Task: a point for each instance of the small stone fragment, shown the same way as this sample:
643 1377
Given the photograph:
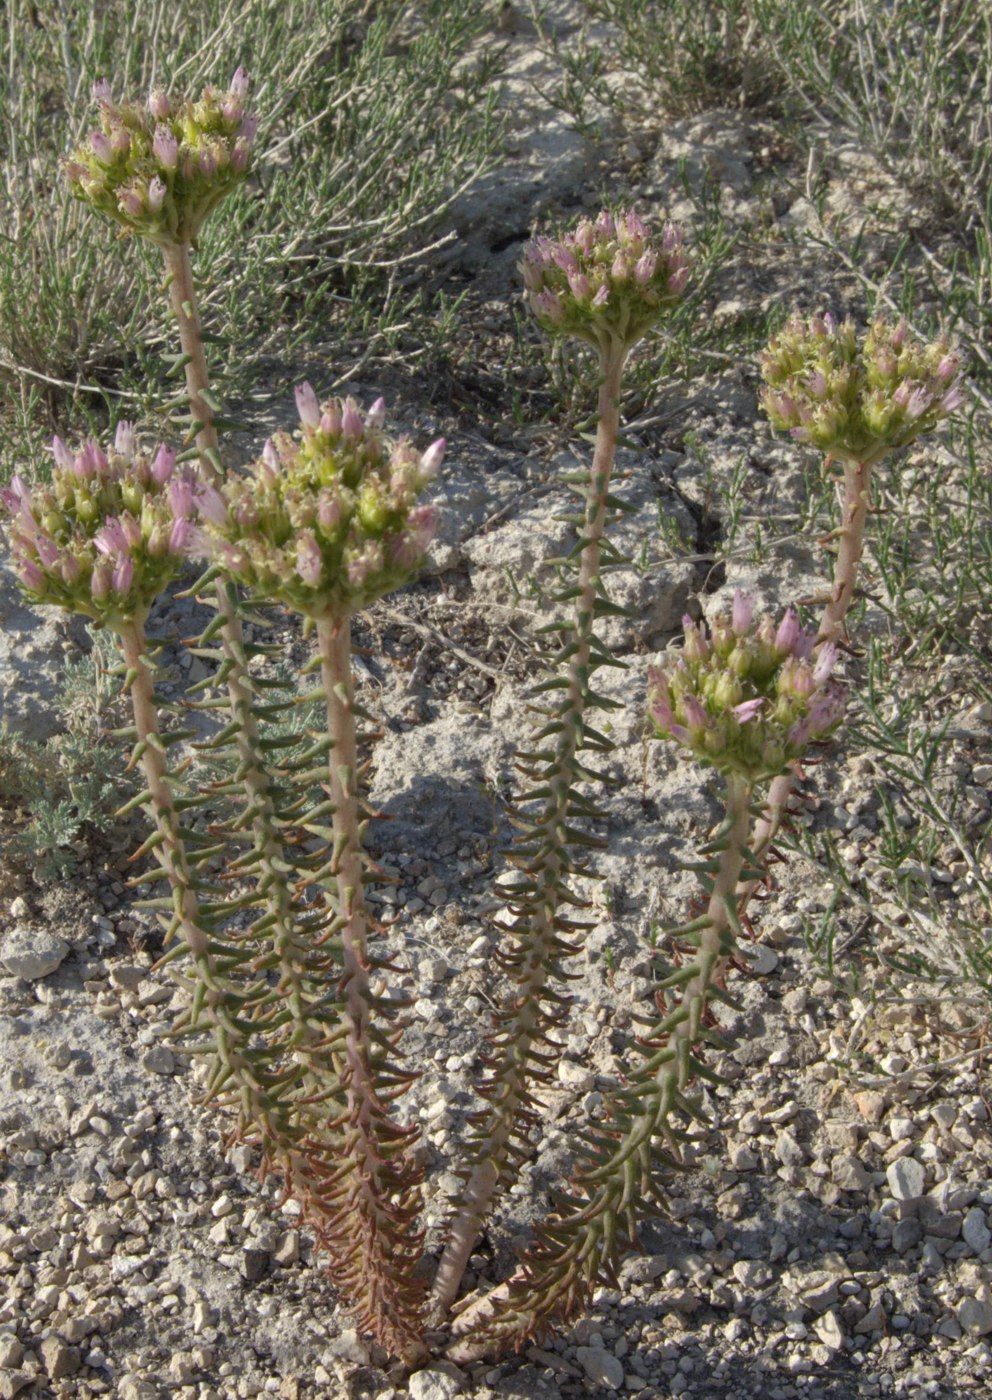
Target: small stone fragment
58 1359
159 1060
441 1381
829 1330
32 953
601 1366
849 1173
977 1234
906 1177
975 1316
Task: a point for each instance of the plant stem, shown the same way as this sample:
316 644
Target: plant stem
579 1247
539 947
851 535
182 294
374 1247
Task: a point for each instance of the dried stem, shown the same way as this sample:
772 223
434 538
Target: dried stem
536 959
580 1246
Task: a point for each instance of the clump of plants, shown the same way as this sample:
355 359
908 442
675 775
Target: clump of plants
264 876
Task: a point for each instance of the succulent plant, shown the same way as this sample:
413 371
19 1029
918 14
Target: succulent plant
160 168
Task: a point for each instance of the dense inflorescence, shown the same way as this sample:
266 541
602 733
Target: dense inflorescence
858 401
109 531
160 169
330 520
608 280
749 697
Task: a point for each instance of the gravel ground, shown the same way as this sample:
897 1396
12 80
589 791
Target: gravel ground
830 1236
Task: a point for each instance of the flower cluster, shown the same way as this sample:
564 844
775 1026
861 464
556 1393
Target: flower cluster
750 696
327 521
160 169
858 402
608 281
104 537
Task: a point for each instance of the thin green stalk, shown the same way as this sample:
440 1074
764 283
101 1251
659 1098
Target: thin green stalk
539 947
580 1246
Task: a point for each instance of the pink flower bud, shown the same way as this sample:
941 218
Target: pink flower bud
566 260
548 304
645 267
947 368
101 148
329 513
247 130
163 465
111 539
124 440
952 400
208 163
62 455
580 286
101 90
211 505
376 415
91 459
46 549
695 714
351 422
330 422
825 662
306 404
309 562
131 203
165 148
602 296
120 141
788 632
430 462
30 574
743 611
69 568
159 104
747 710
156 195
123 576
180 536
270 454
239 84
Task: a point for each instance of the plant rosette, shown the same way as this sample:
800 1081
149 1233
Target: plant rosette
607 281
160 169
107 533
857 402
329 520
746 696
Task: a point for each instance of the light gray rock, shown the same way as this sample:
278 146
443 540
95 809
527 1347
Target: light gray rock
849 1174
906 1178
975 1231
975 1316
32 953
440 1382
601 1366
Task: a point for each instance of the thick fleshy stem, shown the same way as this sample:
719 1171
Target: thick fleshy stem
579 1247
539 947
855 505
373 1243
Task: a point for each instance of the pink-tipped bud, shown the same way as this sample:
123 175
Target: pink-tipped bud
748 710
788 632
131 203
644 269
123 576
580 286
124 440
163 464
120 141
270 453
159 104
211 505
156 194
165 148
602 296
329 513
566 260
309 562
376 415
307 405
696 717
430 462
46 548
352 426
62 455
30 574
180 536
208 163
101 90
101 147
239 84
825 662
742 613
247 131
330 421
